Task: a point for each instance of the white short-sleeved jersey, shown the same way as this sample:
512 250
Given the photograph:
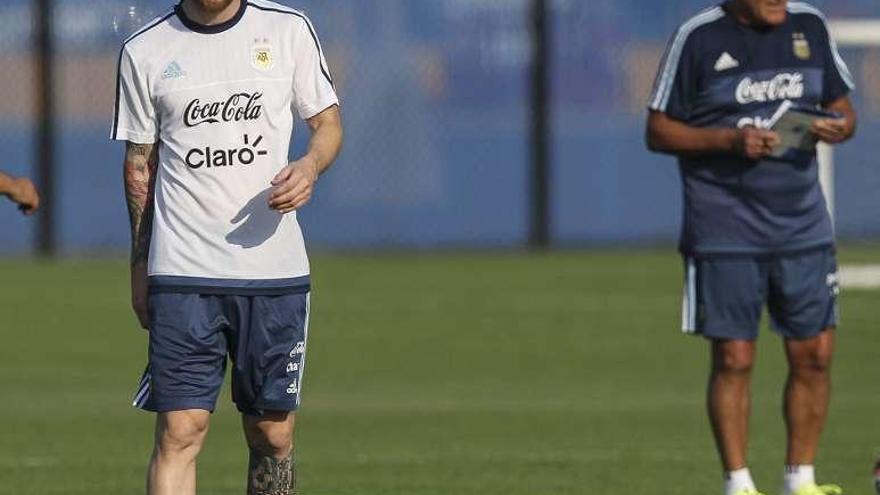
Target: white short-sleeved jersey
219 102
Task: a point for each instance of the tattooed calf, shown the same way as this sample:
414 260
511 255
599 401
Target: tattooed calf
270 476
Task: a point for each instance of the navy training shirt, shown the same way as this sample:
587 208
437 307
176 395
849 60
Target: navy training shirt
720 73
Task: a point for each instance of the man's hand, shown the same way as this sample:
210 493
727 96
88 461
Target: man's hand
831 131
293 186
754 143
23 193
139 294
835 131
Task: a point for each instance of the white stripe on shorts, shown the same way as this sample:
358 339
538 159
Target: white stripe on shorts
143 390
302 357
689 299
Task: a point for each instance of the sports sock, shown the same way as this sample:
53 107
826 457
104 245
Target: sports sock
737 481
797 476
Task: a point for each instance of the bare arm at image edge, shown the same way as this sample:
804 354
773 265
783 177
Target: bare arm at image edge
20 191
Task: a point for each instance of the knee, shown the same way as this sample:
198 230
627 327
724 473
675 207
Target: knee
734 361
272 438
814 360
181 432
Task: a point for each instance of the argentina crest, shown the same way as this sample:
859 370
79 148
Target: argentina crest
801 46
261 56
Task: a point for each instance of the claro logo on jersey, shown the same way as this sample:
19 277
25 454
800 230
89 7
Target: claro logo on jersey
236 108
226 157
785 86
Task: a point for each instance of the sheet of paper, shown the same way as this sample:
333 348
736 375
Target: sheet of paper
793 126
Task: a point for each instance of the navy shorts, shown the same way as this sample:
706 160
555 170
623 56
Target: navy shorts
191 336
724 296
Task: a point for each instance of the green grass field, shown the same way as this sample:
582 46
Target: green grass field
483 374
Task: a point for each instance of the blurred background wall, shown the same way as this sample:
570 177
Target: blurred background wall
435 100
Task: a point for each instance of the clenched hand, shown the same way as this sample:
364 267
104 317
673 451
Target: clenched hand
754 143
293 186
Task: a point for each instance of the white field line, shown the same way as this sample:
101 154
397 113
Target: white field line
860 276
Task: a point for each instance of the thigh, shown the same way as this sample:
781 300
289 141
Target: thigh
269 353
724 297
187 355
803 293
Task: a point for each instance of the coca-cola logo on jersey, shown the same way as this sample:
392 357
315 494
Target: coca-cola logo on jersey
236 108
785 86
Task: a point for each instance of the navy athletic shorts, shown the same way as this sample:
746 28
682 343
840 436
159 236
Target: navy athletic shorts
724 296
191 336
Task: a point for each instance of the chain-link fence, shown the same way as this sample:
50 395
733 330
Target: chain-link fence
436 104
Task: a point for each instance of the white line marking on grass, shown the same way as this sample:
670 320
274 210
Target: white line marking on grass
860 276
27 462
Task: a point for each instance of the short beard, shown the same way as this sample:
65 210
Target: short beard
213 6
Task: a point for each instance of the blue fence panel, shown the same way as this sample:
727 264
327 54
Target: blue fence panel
16 231
16 120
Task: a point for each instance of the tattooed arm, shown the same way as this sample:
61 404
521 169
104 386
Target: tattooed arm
141 162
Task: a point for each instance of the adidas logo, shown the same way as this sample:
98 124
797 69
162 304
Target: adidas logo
725 62
173 71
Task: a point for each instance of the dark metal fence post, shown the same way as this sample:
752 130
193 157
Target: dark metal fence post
45 140
539 230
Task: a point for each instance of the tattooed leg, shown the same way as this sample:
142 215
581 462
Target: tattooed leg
271 476
270 440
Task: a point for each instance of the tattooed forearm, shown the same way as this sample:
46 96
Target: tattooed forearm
270 476
140 179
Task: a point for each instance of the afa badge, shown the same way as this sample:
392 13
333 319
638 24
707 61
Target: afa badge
261 57
801 46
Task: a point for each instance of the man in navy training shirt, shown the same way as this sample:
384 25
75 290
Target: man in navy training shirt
756 230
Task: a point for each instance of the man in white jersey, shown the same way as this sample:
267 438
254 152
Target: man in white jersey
205 101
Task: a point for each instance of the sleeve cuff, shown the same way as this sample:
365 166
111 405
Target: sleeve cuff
309 111
132 136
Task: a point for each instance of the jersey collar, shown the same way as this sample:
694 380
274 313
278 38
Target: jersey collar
214 28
